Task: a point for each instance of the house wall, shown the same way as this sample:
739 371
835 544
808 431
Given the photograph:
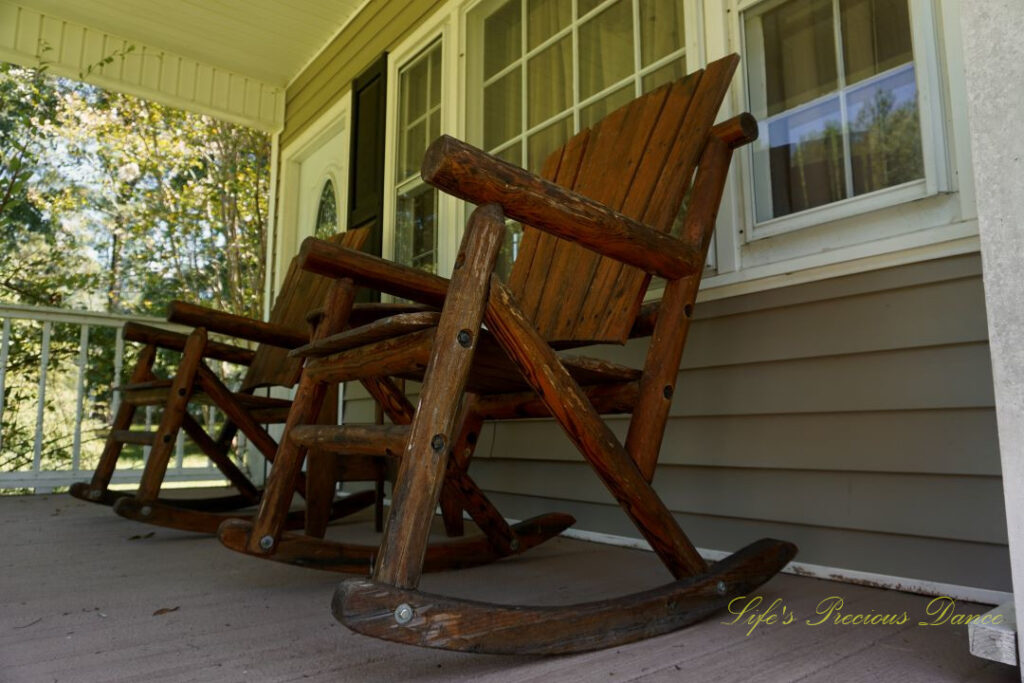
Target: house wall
840 401
376 28
852 416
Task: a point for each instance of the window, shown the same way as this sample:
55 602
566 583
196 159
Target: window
540 70
419 124
835 87
326 212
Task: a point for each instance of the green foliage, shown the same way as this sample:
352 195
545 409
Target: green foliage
116 204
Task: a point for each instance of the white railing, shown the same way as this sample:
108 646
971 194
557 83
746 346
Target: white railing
49 468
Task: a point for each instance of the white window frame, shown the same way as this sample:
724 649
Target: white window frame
933 139
449 225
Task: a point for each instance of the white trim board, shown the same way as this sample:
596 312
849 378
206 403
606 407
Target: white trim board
817 571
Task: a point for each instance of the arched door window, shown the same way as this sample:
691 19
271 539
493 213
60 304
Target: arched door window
327 212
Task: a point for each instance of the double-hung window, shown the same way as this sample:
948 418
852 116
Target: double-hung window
837 86
417 205
537 71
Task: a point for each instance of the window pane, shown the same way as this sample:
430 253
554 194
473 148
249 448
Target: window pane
502 110
550 81
672 71
502 38
509 249
661 29
547 140
885 133
799 53
419 111
876 36
326 212
606 48
806 159
416 228
593 113
546 18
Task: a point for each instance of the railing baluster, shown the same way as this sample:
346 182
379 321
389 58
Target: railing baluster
179 451
115 401
44 362
83 358
149 428
5 343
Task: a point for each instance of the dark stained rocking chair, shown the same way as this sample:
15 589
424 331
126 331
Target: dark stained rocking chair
268 365
599 224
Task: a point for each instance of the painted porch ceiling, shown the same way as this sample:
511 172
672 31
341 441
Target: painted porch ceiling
268 40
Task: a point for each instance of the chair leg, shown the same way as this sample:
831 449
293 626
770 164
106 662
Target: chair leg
422 469
309 399
96 489
170 422
570 406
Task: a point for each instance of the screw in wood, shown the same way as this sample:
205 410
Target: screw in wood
403 614
94 494
465 338
438 442
667 391
721 588
146 511
167 438
267 542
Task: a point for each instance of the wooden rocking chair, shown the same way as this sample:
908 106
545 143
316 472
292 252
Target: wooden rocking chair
600 221
268 365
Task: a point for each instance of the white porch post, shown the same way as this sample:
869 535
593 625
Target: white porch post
994 63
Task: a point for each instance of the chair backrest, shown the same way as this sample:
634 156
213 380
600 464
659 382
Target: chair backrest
301 293
639 160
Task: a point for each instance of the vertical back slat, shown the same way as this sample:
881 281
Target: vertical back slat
638 160
301 292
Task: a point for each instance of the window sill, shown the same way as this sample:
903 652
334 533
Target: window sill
880 199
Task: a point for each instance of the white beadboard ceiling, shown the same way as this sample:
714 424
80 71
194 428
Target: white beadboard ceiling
267 40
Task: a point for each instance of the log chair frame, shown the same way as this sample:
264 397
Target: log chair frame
388 604
242 410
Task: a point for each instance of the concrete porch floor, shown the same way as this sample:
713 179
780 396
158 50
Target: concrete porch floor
88 596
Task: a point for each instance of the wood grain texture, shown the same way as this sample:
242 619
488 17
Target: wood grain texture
170 420
471 174
569 405
416 491
369 607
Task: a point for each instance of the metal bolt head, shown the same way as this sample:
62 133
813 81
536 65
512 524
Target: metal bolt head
438 442
465 338
721 588
94 494
146 511
267 542
667 391
514 545
167 438
403 614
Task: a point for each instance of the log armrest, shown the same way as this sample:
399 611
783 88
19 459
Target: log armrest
235 325
331 260
369 312
471 174
165 339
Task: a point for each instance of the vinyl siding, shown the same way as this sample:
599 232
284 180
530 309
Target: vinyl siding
852 416
378 27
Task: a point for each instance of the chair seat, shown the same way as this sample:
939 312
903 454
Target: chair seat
402 343
264 409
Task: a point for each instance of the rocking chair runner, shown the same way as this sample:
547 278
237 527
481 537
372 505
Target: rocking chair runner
268 365
598 233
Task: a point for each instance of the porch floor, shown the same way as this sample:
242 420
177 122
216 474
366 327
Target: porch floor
85 594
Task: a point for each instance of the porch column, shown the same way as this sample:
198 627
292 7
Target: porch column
994 65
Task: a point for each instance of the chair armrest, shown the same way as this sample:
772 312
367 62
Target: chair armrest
165 339
335 261
471 174
235 325
369 312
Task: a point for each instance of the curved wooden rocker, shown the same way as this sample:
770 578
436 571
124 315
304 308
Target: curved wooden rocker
428 620
599 221
194 382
